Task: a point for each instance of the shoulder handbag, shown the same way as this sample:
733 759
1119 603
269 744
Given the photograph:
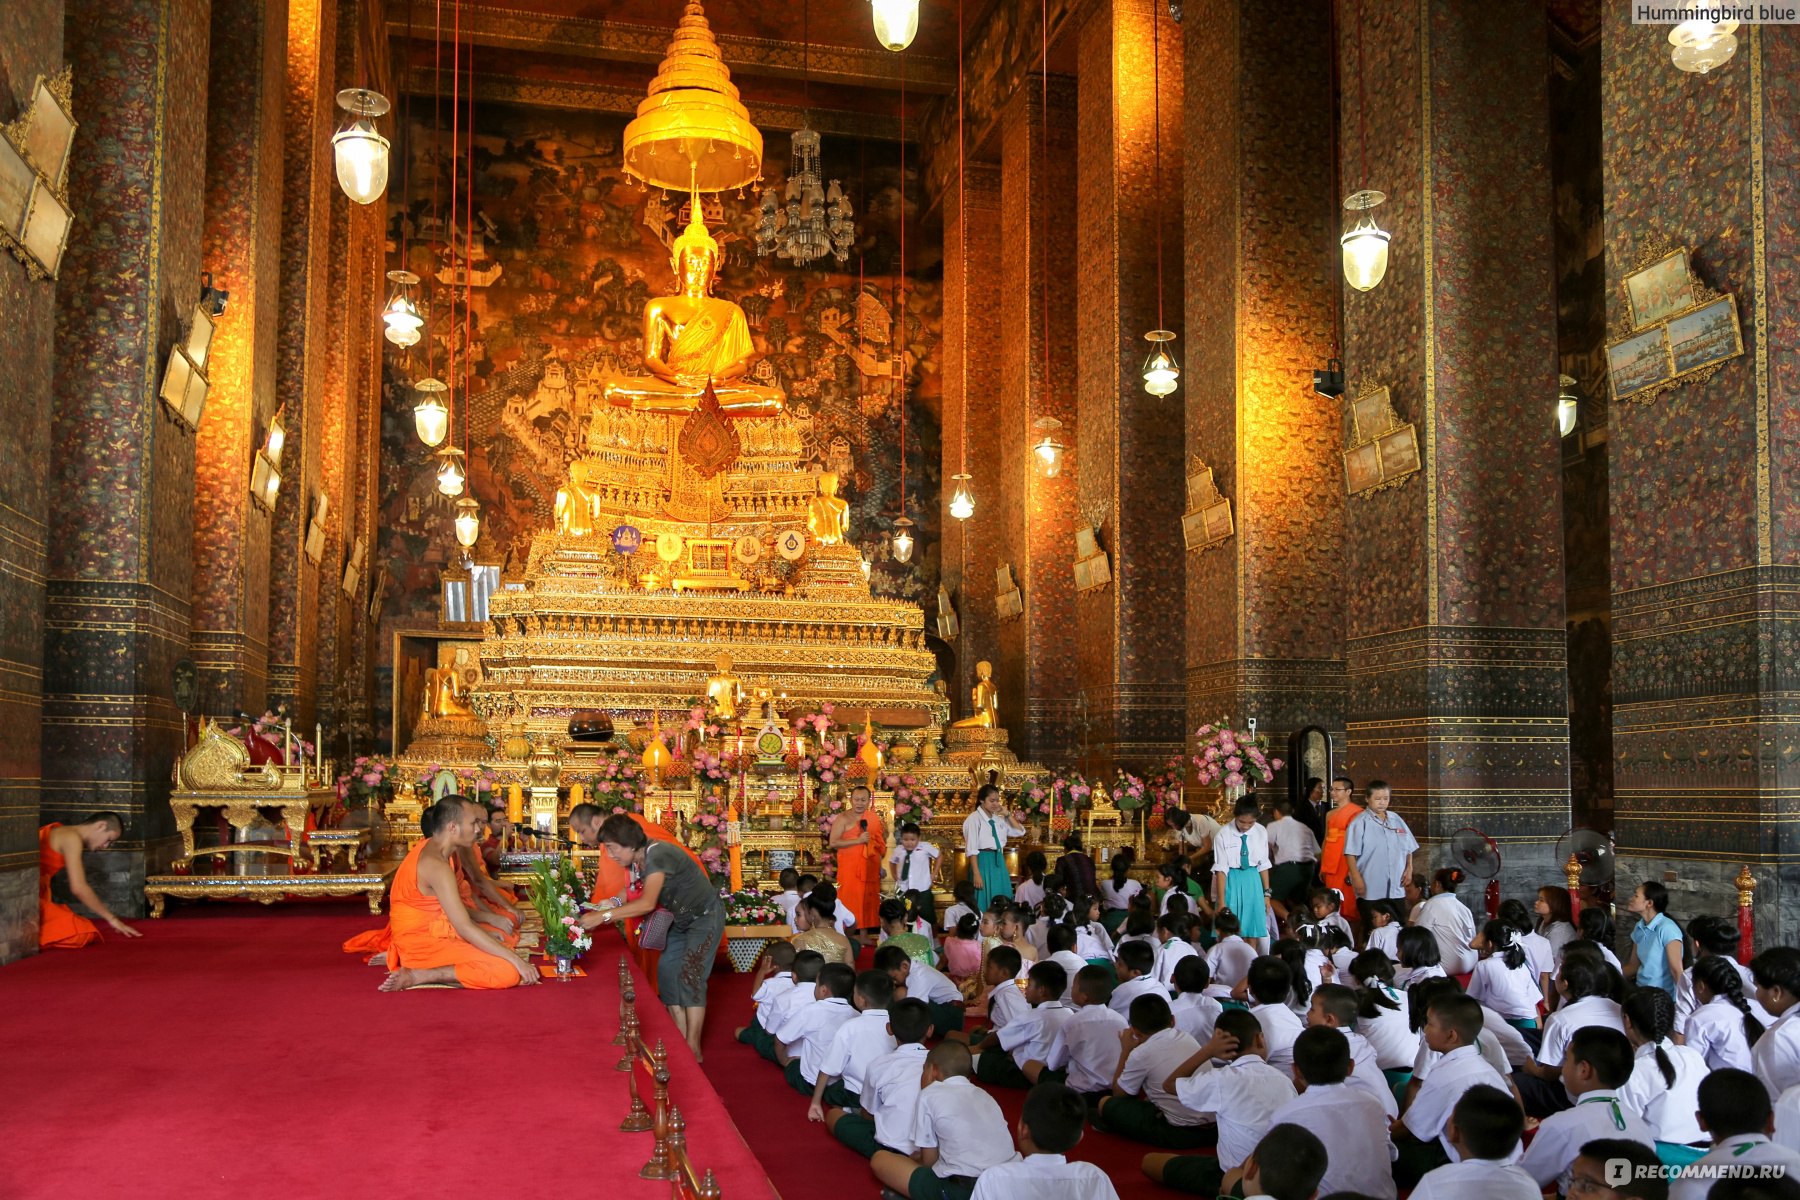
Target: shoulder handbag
653 930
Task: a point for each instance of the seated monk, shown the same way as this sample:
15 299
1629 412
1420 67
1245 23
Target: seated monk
491 898
373 944
60 847
435 940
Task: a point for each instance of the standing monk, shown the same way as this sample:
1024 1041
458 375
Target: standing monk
435 940
1334 868
861 845
61 847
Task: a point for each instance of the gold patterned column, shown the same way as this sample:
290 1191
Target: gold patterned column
242 249
1130 630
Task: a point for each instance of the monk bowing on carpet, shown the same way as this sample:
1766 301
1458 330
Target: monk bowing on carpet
857 836
61 847
435 940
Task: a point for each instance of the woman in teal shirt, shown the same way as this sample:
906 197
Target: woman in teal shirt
1656 941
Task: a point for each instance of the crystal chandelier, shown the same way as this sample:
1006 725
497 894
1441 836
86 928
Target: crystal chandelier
816 220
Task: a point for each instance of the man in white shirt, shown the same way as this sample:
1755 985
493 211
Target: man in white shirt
1734 1110
806 1035
914 863
959 1129
857 1043
1050 1125
1452 1025
1193 832
1359 1151
1026 1036
1140 1107
890 1088
1294 853
1484 1129
1242 1093
1596 1065
1136 967
1086 1048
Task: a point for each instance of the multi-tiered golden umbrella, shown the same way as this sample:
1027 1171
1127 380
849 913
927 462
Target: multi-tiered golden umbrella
692 133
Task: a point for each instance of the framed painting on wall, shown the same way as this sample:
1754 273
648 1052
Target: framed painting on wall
16 181
1660 290
46 229
1362 467
1704 335
1638 362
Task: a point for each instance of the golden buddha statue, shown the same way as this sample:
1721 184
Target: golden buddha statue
576 503
986 698
444 689
828 519
694 337
723 692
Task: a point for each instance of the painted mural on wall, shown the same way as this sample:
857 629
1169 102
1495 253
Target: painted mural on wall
565 250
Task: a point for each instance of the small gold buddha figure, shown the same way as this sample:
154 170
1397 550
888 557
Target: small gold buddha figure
577 505
828 519
694 337
986 698
723 692
444 690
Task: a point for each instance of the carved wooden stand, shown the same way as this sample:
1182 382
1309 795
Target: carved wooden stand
668 1149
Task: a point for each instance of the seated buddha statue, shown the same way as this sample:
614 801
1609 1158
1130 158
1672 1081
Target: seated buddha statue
828 518
694 337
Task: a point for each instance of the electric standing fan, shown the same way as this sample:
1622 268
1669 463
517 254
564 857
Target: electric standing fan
1478 856
1593 851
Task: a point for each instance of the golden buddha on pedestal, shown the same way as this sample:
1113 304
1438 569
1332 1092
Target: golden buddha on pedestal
986 698
828 518
694 337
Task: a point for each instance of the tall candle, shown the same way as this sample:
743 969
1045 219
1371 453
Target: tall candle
515 804
319 751
577 794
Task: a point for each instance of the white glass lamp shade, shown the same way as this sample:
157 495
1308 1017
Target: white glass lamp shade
896 23
1049 451
276 440
401 316
468 521
360 150
430 418
1160 372
450 473
1700 46
1365 246
962 498
1568 405
903 540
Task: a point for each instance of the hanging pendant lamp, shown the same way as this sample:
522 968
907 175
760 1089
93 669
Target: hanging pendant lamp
1048 451
1365 246
896 23
360 150
903 539
430 418
468 521
450 471
1160 371
962 497
401 316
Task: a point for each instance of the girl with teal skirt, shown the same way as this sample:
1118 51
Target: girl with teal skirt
985 834
1241 873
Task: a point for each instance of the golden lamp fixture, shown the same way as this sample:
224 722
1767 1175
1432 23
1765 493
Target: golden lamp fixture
692 132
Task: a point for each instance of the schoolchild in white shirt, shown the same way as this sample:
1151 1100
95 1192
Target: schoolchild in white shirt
1452 1025
1737 1118
1776 1055
857 1043
1484 1131
1136 968
1027 1035
1092 940
1349 1120
1086 1048
1268 988
1502 978
1230 1079
914 863
1582 983
1059 942
1196 1013
1722 1024
774 979
1050 1125
788 898
1335 1006
1141 1106
806 1035
1172 930
883 1118
1596 1063
958 1128
1664 1087
760 1033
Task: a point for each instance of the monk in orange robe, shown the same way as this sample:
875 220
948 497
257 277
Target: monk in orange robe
861 844
1334 868
60 848
503 923
611 881
435 940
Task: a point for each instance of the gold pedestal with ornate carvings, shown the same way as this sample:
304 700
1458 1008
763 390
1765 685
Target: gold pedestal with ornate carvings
217 773
835 570
450 739
970 744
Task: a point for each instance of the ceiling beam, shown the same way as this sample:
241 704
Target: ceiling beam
582 96
583 37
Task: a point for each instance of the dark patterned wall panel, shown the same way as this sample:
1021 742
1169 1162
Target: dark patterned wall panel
1780 48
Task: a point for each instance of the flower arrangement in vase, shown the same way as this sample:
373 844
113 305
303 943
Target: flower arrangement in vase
1165 791
1035 798
554 890
707 834
1130 792
1232 759
617 785
751 908
370 779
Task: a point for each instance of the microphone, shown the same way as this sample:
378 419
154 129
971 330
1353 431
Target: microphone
863 825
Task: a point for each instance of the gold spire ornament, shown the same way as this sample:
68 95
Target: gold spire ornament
692 131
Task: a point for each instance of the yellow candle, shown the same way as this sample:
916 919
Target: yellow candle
515 804
576 795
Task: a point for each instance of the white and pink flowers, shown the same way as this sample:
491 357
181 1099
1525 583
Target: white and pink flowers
1232 758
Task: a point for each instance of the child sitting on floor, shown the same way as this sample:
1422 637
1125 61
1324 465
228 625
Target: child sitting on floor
1452 1025
896 930
1350 1121
1136 967
1230 958
1334 1006
1172 932
1092 942
1596 1064
760 1033
959 1129
1059 941
1325 903
962 949
1268 987
1026 1036
1086 1049
788 898
1195 1012
774 978
1141 1106
964 895
805 1036
923 981
890 1088
1005 1000
1484 1129
1242 1093
1050 1125
857 1043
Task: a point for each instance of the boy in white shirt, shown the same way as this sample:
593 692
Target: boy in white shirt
1289 1161
1006 1001
1086 1048
774 979
1596 1064
761 1032
959 1129
883 1119
1050 1125
1334 1006
1172 932
788 898
1268 986
1452 1024
1350 1122
1735 1112
806 1035
1484 1128
1027 1035
1583 983
857 1043
1230 958
914 862
1195 1012
1242 1093
1136 966
1140 1107
923 981
1060 942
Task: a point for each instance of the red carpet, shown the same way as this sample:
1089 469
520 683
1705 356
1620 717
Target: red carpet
239 1052
807 1163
